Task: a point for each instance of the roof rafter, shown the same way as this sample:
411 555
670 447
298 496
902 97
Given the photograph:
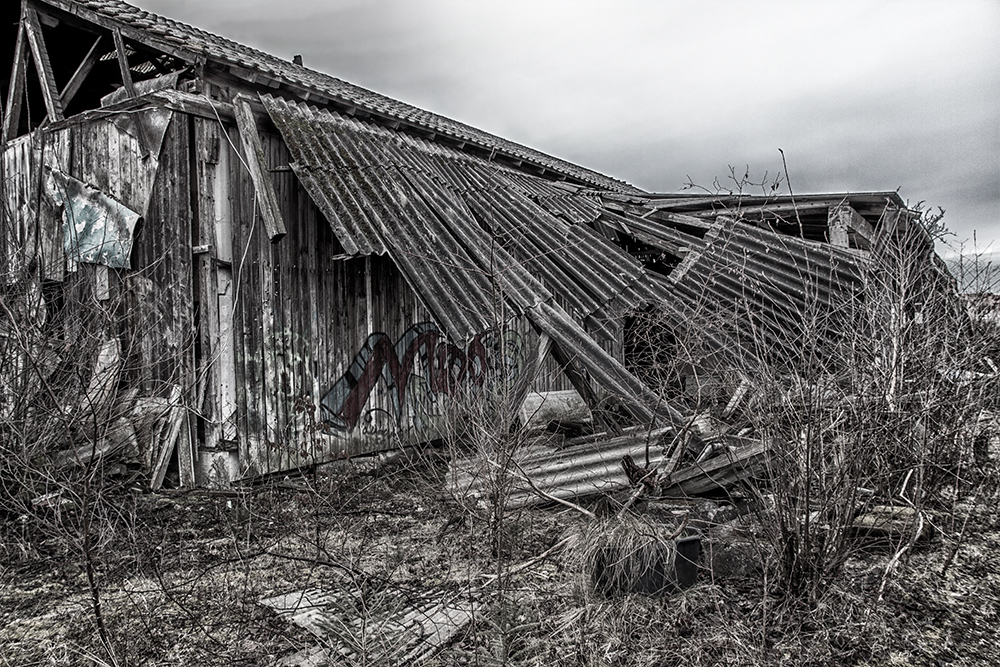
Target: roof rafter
15 96
33 30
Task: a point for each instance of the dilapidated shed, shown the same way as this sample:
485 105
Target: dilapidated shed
294 269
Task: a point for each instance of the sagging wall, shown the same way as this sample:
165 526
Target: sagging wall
99 229
279 356
305 354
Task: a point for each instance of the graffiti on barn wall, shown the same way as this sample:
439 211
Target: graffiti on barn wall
421 366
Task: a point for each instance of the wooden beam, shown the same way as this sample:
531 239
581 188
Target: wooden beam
775 209
267 199
80 75
53 103
846 227
130 89
15 95
86 19
578 378
123 64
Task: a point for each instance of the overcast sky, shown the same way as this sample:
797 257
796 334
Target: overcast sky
860 96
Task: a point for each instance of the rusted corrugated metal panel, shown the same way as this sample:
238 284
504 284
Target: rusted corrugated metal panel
747 281
585 269
595 467
579 471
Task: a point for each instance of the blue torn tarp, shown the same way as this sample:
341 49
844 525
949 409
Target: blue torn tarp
96 228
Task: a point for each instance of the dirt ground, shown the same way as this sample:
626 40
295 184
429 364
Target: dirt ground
180 577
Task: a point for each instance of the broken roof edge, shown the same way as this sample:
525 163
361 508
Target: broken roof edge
259 68
677 200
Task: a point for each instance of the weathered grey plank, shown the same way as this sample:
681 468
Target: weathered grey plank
76 81
53 102
254 153
15 94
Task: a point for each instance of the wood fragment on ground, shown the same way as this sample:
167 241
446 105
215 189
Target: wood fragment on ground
388 628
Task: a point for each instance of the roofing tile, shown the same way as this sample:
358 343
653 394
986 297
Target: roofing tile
227 51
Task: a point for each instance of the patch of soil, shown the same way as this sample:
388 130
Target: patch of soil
180 577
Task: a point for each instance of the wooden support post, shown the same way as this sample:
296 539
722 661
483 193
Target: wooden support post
80 75
206 171
53 102
531 371
846 227
267 199
130 90
224 296
15 95
123 64
578 378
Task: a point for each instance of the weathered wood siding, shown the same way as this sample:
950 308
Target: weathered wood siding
157 290
310 326
286 354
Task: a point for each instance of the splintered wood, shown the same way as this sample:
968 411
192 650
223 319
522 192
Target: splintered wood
391 628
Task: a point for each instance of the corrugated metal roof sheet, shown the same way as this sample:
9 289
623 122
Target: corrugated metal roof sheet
595 467
339 159
434 207
746 280
467 236
199 43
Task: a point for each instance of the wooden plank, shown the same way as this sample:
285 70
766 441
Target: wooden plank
80 75
207 150
102 290
775 209
405 631
243 328
15 95
123 65
53 102
58 149
847 228
253 150
227 357
185 454
224 295
126 73
170 429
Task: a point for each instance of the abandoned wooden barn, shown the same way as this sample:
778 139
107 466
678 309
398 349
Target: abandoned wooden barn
298 269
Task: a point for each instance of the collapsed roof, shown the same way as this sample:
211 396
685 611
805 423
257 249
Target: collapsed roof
476 224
